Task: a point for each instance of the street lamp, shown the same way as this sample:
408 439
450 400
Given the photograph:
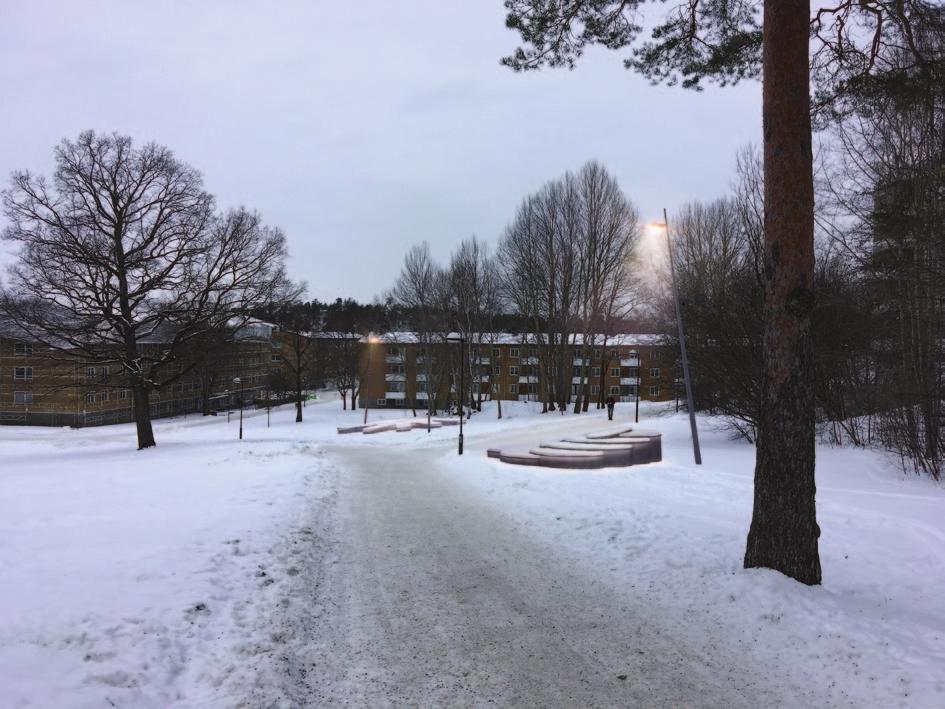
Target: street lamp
371 340
239 383
461 340
697 453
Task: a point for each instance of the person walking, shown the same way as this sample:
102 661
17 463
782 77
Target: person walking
611 402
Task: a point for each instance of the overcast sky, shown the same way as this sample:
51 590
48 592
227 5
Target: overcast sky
358 127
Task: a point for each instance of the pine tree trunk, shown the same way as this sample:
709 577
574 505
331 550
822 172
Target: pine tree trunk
784 532
142 404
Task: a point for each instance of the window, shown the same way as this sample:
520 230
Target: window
654 391
381 402
497 371
395 369
513 371
615 354
596 354
23 398
513 352
275 358
577 351
654 354
122 394
21 349
90 397
655 372
90 372
615 371
532 351
615 391
595 371
496 352
103 397
595 389
23 374
513 388
396 386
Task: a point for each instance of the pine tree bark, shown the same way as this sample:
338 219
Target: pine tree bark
784 532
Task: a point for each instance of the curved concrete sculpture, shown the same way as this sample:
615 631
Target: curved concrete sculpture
608 449
399 425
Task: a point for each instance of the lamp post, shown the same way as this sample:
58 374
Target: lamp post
461 340
697 453
226 392
636 413
239 382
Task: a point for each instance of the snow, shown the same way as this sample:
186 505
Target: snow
208 571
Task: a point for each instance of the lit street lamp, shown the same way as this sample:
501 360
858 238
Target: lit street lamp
461 341
697 453
239 383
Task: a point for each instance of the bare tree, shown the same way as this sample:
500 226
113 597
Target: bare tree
421 290
122 247
297 326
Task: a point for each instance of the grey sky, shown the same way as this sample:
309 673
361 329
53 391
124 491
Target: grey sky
358 127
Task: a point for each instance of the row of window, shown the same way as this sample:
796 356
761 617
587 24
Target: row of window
526 389
515 352
530 371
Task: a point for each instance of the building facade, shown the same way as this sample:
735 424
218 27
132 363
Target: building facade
45 386
398 371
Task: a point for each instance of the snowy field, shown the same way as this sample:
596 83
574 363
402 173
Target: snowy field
214 572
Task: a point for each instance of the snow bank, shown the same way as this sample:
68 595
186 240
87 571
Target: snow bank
671 536
144 578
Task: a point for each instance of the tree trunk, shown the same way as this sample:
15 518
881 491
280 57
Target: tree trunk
784 532
142 404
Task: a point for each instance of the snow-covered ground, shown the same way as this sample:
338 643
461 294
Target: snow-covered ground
216 572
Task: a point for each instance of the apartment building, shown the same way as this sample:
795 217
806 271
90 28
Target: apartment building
40 385
399 371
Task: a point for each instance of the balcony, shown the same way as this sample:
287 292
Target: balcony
630 381
630 362
528 380
422 396
529 360
396 395
421 377
395 377
482 360
578 380
483 378
393 359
